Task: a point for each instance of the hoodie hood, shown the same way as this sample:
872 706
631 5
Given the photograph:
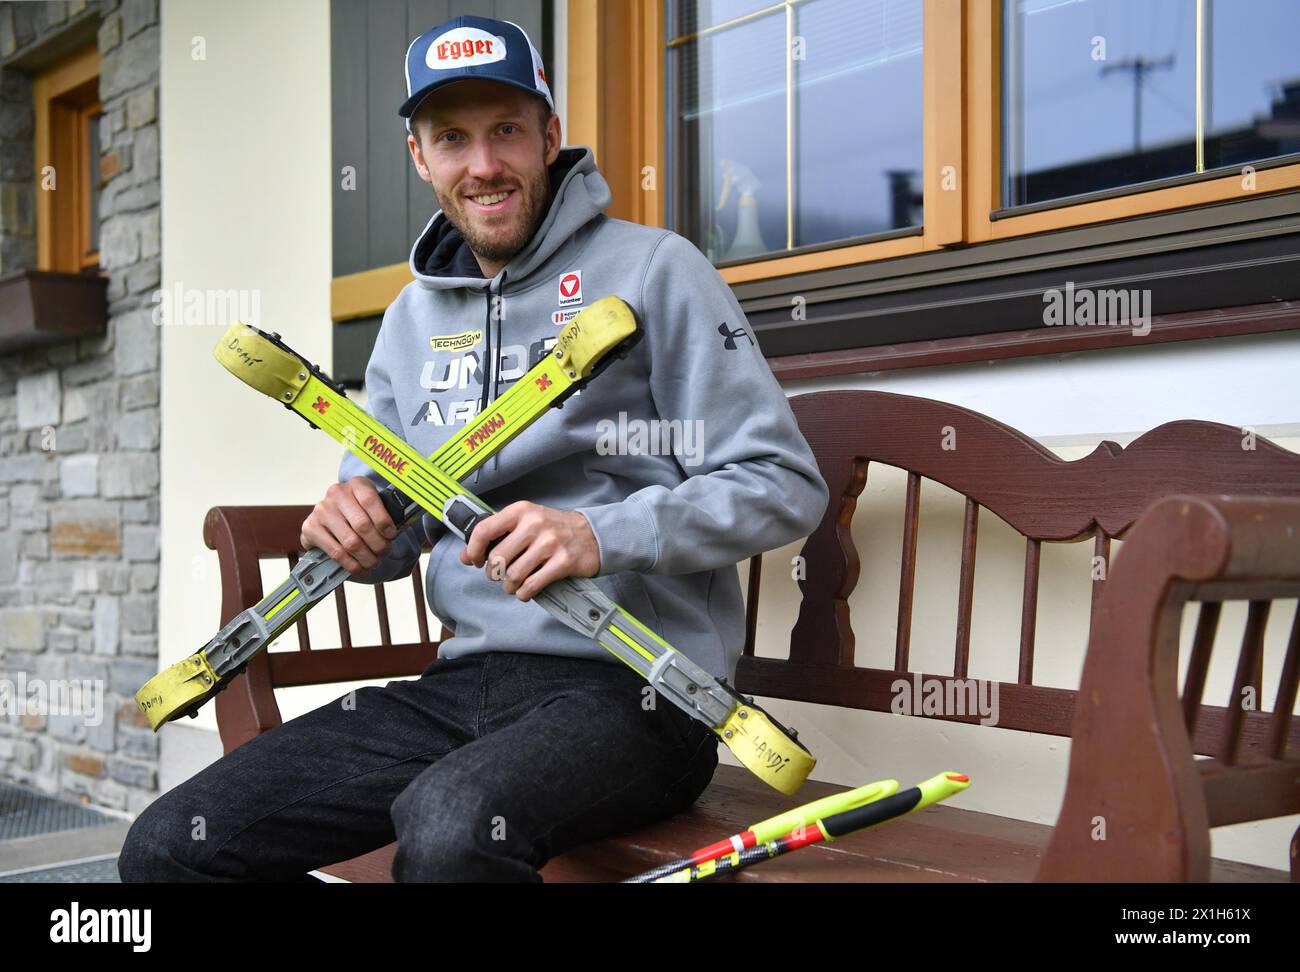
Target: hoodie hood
441 259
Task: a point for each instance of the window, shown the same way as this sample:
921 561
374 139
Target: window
1110 93
970 120
66 101
773 152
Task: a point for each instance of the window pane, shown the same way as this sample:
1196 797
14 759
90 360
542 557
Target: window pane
858 109
730 109
1252 68
853 129
92 141
1102 94
692 15
1097 95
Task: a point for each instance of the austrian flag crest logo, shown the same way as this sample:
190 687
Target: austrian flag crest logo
571 288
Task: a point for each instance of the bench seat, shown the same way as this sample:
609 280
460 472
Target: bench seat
976 847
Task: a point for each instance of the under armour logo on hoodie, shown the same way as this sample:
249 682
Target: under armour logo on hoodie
730 342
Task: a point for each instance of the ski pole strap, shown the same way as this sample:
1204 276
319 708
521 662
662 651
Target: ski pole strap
585 346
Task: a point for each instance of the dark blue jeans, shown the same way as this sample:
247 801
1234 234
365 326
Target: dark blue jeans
482 769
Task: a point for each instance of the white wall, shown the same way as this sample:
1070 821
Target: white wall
245 206
246 168
1245 381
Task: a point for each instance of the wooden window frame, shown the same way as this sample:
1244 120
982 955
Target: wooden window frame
64 98
617 106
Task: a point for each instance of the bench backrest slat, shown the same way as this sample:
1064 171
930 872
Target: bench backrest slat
1029 610
966 588
1279 730
907 580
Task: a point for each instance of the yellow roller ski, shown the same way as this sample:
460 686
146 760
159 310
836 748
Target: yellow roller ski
588 343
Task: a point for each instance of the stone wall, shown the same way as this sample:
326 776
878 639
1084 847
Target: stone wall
79 480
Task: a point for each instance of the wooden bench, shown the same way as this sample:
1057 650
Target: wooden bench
1205 515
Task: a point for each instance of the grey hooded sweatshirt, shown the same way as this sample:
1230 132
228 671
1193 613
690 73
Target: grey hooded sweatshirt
684 456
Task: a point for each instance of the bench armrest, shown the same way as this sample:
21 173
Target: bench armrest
1132 765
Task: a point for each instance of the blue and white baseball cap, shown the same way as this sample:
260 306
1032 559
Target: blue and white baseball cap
472 47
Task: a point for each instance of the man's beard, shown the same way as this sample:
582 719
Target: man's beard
534 201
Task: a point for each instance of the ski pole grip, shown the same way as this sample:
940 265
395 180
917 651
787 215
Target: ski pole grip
464 518
395 502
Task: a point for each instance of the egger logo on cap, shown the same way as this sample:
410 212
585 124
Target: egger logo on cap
472 47
465 46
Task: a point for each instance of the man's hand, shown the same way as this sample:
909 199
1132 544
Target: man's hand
541 545
351 525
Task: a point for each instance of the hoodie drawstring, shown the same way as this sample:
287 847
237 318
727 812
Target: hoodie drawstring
487 353
496 372
490 358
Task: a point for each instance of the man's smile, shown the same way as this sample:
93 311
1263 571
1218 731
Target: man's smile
494 202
